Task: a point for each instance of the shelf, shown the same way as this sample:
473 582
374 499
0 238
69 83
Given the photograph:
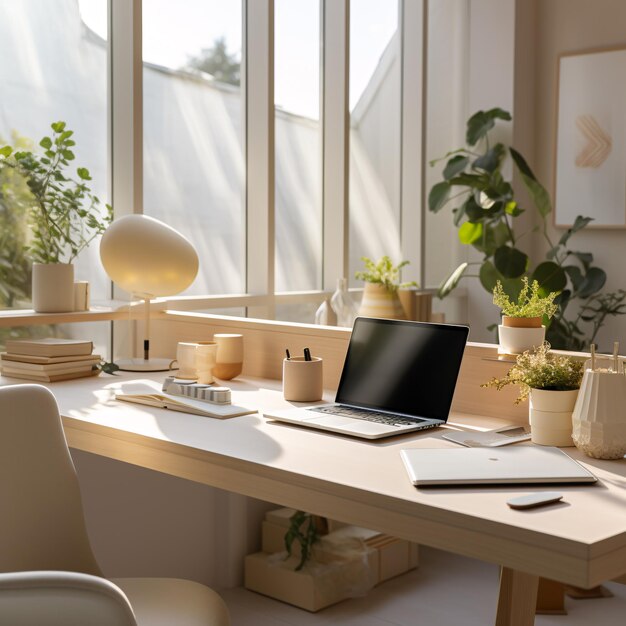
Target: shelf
98 313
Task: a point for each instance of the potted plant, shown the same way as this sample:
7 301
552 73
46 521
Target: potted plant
522 327
64 216
552 383
380 295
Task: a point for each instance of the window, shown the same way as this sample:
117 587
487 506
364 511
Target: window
206 67
194 174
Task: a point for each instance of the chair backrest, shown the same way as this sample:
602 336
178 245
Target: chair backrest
42 526
61 599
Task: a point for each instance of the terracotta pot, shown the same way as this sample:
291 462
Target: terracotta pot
550 417
380 302
521 322
53 287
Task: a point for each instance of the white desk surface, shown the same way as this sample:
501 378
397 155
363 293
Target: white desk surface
581 541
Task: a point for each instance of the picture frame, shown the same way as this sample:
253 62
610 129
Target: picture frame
590 139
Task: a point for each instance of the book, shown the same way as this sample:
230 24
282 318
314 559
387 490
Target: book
10 371
45 360
49 347
185 405
50 378
50 368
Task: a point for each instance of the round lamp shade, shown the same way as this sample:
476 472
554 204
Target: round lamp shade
147 257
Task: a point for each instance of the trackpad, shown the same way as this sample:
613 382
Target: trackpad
329 420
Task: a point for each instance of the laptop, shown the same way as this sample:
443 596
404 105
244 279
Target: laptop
398 377
521 465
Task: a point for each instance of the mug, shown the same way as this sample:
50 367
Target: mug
303 380
206 352
229 360
186 357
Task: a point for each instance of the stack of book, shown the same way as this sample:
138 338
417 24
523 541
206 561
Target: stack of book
49 360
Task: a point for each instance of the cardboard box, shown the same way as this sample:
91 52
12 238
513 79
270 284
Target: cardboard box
313 588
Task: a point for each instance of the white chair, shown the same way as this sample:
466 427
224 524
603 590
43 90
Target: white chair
50 575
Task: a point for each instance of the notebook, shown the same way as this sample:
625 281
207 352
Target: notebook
522 464
398 377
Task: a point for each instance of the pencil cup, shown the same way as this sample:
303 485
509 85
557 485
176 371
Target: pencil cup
302 380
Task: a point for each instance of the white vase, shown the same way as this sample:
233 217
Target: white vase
53 287
515 340
599 418
380 302
550 417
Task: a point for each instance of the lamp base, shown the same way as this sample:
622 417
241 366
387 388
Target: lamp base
145 365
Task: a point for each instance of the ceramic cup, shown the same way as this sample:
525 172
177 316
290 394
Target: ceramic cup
302 380
206 353
186 358
229 360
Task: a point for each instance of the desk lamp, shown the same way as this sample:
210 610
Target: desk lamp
149 259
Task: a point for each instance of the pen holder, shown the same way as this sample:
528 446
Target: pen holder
302 380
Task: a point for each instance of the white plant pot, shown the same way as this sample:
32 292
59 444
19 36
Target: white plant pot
53 287
599 417
550 417
517 340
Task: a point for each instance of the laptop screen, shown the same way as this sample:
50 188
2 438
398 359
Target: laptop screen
402 367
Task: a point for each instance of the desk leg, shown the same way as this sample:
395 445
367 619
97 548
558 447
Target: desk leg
517 599
550 598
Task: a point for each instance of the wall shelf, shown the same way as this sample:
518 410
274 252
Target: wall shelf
112 310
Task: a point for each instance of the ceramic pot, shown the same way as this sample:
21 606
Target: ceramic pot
599 418
53 287
380 302
515 339
550 417
229 358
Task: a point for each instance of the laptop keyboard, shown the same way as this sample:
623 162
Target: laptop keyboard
367 415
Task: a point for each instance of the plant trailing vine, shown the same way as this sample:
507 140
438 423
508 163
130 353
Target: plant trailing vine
303 528
64 215
485 211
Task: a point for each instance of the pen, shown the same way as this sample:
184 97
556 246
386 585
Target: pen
307 354
287 353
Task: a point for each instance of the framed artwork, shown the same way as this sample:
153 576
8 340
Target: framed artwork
590 160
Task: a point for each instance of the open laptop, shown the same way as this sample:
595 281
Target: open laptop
397 377
521 464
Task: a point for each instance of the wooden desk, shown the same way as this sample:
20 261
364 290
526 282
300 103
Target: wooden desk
580 542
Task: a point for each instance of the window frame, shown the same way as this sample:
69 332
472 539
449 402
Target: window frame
126 143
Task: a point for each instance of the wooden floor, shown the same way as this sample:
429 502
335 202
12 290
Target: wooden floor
447 590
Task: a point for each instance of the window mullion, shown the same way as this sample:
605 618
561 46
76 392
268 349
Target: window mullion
412 170
259 103
336 126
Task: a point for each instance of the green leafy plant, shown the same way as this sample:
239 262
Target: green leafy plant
64 215
383 272
107 368
303 528
485 210
530 302
541 369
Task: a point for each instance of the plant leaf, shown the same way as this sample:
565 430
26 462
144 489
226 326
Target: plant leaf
438 196
550 276
482 122
452 281
579 223
455 166
490 161
510 262
592 283
469 232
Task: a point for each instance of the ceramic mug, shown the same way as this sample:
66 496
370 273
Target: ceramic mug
302 380
186 358
229 360
206 353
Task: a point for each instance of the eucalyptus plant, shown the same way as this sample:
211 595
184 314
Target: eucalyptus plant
64 215
485 211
